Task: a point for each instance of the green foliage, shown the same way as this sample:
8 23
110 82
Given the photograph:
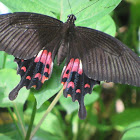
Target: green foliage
102 120
132 132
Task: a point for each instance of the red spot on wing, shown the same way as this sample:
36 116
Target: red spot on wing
38 75
87 86
65 85
46 69
23 68
68 95
70 84
22 60
69 67
44 78
28 77
34 86
78 91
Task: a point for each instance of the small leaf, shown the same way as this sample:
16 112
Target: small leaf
9 79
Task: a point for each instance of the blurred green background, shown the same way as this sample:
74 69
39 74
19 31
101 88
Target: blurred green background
113 110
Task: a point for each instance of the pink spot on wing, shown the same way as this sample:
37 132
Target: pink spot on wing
87 86
78 91
65 85
23 68
69 67
43 57
80 70
70 84
28 77
22 60
37 59
75 65
49 62
49 58
38 75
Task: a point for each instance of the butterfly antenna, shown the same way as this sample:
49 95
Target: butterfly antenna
86 7
70 6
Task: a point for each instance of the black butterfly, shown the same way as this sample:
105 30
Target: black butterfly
91 56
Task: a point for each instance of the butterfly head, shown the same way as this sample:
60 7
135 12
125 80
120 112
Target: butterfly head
71 18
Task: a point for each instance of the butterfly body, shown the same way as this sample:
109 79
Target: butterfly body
91 56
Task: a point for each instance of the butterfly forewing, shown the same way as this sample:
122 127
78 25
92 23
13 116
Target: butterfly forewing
25 34
106 58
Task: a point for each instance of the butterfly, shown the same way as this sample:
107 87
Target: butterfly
91 55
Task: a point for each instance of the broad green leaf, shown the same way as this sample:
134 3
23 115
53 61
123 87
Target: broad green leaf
132 132
4 137
37 6
70 106
9 61
105 24
9 132
9 80
122 119
51 124
43 135
60 9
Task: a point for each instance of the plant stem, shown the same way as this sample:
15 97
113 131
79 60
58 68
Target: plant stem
31 121
18 129
46 113
20 120
4 60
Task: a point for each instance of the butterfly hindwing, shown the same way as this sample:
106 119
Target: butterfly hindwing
25 34
77 84
34 72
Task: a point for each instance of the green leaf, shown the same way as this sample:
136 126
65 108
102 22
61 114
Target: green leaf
105 24
9 80
28 6
70 106
4 137
9 132
88 17
132 132
51 124
126 117
9 61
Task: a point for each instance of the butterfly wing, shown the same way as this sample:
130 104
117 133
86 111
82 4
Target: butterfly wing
25 34
105 58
